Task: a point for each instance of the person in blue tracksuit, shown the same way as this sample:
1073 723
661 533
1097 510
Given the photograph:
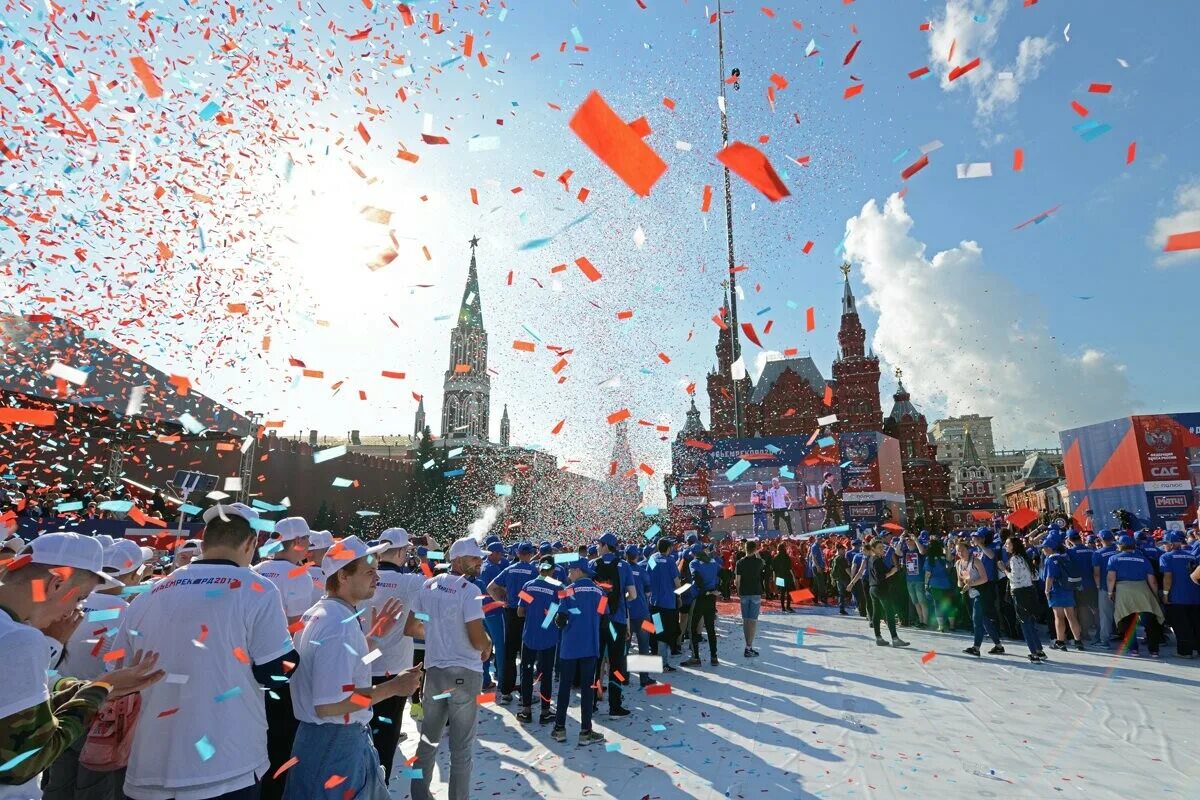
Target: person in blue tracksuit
664 580
1086 595
538 603
614 575
704 572
639 607
506 587
1181 594
493 612
578 618
1104 624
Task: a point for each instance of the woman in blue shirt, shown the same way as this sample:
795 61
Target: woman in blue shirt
938 584
1060 594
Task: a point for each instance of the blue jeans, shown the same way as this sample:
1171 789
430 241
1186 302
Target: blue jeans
540 662
760 522
983 622
495 628
583 670
325 750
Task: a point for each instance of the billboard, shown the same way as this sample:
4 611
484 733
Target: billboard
735 466
1147 465
872 478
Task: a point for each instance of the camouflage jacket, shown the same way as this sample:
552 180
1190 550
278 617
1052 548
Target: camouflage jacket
47 729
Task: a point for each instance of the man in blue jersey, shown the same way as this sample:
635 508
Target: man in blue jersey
579 619
493 611
639 607
1180 594
538 603
1104 624
506 587
615 577
664 580
1087 605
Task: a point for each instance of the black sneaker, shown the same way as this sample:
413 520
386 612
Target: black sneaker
998 650
525 715
972 651
547 716
715 662
753 652
880 641
899 643
691 662
842 611
506 698
619 712
747 653
559 734
669 668
1078 645
1034 658
590 737
1058 646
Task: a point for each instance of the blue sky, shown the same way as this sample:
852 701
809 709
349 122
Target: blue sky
304 255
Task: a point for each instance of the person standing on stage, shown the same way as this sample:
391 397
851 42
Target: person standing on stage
759 503
781 504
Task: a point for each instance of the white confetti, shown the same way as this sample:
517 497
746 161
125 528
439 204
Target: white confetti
1067 32
639 238
69 374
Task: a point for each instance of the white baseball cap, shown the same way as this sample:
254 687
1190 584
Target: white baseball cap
72 550
319 540
466 546
124 557
189 546
287 530
396 537
347 550
225 511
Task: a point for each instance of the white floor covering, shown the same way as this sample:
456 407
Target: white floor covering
837 716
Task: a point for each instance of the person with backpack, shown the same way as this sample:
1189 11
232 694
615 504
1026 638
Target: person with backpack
71 777
704 608
1057 573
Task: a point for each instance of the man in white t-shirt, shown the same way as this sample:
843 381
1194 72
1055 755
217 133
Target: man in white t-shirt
223 636
456 645
781 503
396 649
83 659
288 548
319 543
41 589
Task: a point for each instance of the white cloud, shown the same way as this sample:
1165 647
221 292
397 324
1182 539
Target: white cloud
993 89
1184 217
969 341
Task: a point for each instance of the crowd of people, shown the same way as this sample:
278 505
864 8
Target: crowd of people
281 668
1092 589
281 665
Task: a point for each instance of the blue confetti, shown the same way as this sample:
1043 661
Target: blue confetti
205 748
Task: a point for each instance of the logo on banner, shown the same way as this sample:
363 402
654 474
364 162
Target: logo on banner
1171 501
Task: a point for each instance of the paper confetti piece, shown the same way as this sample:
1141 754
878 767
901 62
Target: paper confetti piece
205 748
1131 153
852 91
15 760
285 766
612 747
925 659
150 83
958 72
800 638
737 469
1182 241
1018 159
975 170
915 167
589 272
485 698
329 453
658 688
617 145
749 164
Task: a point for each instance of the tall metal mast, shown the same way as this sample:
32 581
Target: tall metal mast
731 279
